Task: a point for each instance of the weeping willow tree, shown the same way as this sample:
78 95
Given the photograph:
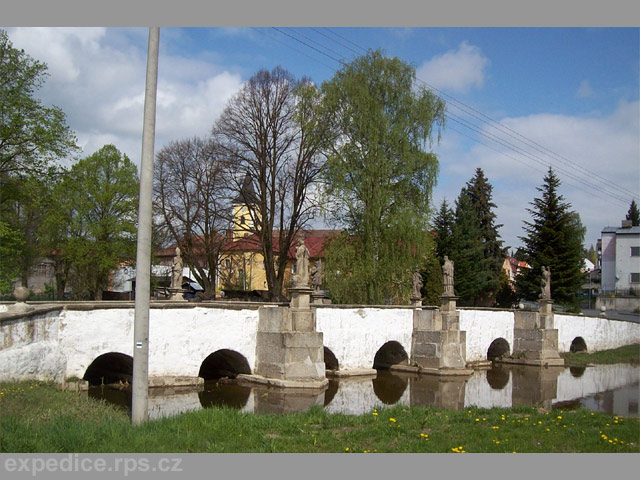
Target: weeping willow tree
379 177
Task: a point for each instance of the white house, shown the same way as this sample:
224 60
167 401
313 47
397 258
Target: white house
619 254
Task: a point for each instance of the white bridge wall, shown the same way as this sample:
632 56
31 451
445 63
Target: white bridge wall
61 344
483 327
354 335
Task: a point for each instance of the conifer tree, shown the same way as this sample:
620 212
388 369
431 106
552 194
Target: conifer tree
479 190
472 273
442 226
553 239
634 214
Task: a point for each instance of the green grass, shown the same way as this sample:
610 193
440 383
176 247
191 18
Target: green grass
36 417
627 354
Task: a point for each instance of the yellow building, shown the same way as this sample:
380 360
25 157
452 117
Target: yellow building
241 266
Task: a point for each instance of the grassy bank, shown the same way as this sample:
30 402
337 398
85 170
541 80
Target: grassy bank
627 354
36 417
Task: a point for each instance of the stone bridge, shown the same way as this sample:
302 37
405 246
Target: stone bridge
281 345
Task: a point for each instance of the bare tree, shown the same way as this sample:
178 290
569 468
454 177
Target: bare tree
273 133
189 204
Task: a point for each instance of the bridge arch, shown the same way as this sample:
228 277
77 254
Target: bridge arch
578 345
498 348
112 367
224 363
391 353
330 360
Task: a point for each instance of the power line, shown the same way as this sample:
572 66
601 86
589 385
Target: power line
595 189
513 134
606 185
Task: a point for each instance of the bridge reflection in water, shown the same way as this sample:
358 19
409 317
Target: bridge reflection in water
612 389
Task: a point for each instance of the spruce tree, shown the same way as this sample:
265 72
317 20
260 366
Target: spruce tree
479 190
472 272
442 226
634 214
553 239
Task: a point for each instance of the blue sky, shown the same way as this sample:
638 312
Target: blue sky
572 94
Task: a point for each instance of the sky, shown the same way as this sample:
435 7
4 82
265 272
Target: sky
518 99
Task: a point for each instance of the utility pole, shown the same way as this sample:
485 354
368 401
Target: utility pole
140 383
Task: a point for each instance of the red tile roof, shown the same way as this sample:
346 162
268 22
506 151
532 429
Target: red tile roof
314 240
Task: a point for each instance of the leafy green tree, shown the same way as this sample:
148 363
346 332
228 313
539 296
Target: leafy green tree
32 138
31 134
472 269
91 222
11 242
634 214
554 238
379 175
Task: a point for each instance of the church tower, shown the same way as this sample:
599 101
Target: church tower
243 207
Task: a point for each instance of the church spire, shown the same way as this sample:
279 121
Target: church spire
247 194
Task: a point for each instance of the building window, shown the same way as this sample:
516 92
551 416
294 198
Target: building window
635 278
635 251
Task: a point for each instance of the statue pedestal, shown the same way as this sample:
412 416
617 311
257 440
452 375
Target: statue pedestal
289 352
535 341
416 301
438 347
318 297
175 294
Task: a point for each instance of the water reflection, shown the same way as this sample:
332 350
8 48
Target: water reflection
608 388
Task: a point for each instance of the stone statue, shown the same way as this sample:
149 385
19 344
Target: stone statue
176 270
447 277
545 290
417 284
302 265
316 276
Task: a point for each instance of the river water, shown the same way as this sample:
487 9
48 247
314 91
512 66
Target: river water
611 389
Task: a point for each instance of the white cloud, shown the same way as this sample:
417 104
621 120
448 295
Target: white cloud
97 77
584 90
456 70
589 150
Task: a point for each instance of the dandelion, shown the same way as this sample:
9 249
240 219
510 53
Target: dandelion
560 417
477 419
391 419
346 449
375 414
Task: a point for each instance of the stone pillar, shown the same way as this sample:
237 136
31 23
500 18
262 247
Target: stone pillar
289 350
535 341
437 345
